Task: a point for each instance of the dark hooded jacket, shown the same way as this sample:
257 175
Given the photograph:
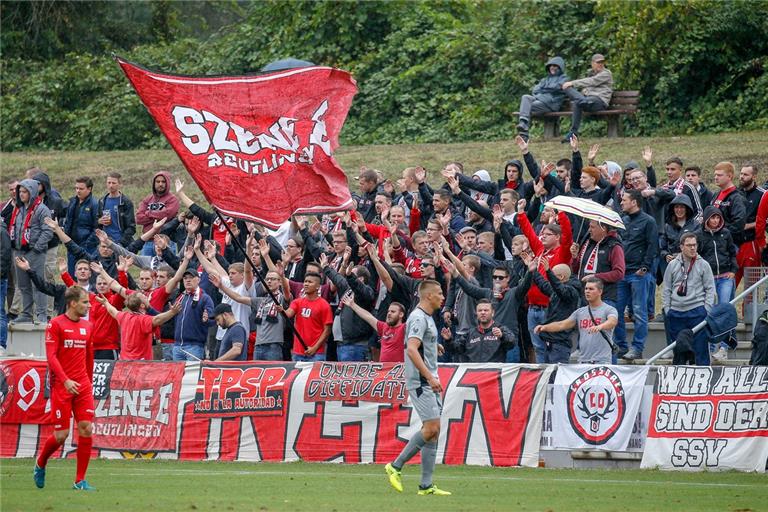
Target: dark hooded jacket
564 299
154 206
82 221
716 247
521 186
672 231
53 201
549 90
39 233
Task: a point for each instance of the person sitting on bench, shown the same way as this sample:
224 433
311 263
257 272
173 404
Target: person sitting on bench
547 95
596 96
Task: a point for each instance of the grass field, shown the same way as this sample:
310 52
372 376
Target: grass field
143 485
137 167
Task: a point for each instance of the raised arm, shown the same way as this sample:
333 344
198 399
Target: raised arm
348 300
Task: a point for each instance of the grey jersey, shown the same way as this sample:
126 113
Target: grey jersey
592 346
421 326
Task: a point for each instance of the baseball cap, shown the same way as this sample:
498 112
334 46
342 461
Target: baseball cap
222 308
631 165
192 272
466 229
598 57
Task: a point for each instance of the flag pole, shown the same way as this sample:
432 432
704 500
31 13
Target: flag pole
258 275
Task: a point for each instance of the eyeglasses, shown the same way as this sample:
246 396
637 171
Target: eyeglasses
635 178
426 264
499 278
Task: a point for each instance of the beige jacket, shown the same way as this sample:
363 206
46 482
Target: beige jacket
600 85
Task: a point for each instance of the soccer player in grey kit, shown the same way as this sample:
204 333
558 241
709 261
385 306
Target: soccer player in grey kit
424 389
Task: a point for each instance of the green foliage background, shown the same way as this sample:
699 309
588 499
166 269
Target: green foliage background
427 71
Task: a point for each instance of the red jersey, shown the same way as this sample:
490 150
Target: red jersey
69 348
106 334
158 297
392 340
311 318
137 332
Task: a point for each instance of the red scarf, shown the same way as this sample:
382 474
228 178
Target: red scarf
27 219
514 185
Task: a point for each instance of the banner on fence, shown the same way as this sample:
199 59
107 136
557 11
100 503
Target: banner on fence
24 397
492 413
138 406
706 418
599 404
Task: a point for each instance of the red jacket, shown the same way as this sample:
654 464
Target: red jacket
556 256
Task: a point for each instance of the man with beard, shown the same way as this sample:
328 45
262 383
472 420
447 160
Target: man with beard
391 334
160 204
749 252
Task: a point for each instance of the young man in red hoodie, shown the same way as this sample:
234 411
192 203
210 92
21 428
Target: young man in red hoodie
554 244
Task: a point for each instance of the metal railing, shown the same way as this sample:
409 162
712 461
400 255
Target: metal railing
746 293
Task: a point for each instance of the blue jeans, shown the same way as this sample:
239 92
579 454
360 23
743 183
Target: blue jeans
676 321
3 314
651 277
167 349
197 351
558 353
636 287
513 355
725 289
307 359
536 316
268 352
351 353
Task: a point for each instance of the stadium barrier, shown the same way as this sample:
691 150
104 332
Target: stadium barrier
494 414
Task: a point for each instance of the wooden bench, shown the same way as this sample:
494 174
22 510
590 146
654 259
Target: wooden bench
623 103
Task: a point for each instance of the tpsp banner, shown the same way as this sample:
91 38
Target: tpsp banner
259 147
706 418
598 406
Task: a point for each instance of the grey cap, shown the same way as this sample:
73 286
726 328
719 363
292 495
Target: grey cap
598 57
466 229
631 165
192 272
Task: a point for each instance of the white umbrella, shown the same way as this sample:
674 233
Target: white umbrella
587 209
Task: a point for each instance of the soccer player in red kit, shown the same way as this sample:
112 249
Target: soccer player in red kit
69 348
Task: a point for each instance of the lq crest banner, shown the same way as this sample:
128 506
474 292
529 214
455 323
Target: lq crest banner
600 404
259 147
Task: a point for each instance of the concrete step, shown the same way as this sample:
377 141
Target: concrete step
657 340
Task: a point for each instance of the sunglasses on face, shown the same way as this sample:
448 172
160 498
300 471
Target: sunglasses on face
426 264
499 278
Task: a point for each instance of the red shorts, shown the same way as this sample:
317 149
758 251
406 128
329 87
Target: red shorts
64 404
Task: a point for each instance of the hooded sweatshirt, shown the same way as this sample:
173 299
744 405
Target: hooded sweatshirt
154 206
53 201
30 233
716 246
564 299
549 90
672 231
695 278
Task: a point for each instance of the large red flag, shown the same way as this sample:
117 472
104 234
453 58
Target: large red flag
259 147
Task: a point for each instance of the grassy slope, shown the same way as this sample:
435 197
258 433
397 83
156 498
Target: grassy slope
165 485
138 166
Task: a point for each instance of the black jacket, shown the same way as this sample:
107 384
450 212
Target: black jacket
672 231
6 257
734 208
640 240
354 330
126 218
717 247
564 299
482 346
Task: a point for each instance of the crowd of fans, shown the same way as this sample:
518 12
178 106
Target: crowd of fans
523 282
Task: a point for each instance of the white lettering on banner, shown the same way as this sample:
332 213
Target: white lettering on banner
684 381
696 453
720 425
231 141
24 402
135 402
683 416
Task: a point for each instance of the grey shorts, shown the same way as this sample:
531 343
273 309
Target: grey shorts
428 405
